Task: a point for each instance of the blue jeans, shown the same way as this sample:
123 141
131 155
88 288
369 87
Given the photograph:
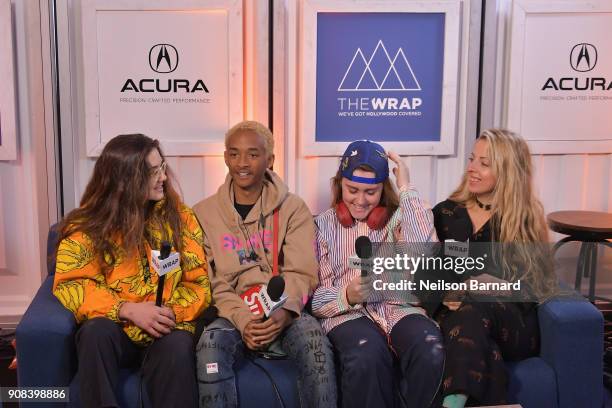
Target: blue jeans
367 366
304 342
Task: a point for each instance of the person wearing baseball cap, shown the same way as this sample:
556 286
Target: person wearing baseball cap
371 335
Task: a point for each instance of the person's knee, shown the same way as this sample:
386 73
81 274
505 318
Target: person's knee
432 347
466 313
367 358
216 352
421 339
176 351
306 332
98 331
306 342
429 350
218 337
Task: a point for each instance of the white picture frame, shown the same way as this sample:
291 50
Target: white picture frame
556 126
307 73
8 129
204 135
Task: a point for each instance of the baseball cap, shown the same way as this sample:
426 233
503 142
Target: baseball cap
365 152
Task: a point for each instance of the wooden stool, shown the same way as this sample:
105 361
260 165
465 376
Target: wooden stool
589 227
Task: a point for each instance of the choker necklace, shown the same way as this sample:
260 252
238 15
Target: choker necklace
486 207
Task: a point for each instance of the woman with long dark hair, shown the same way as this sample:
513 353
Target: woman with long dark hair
104 276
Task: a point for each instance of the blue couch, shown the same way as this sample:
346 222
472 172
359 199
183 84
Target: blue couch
47 356
567 374
569 371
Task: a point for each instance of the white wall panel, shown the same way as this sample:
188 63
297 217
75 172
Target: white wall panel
24 186
434 176
563 181
27 202
197 176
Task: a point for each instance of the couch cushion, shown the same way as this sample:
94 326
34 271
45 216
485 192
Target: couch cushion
127 394
532 383
255 389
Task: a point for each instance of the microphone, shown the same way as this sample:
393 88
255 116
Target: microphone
276 288
163 263
266 299
363 249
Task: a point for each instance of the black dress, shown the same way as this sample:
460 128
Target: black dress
480 336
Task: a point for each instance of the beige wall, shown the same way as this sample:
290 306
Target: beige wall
28 185
27 202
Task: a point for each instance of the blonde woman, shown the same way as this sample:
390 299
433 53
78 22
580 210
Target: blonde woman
495 202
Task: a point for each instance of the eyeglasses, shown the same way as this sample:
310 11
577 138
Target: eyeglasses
158 170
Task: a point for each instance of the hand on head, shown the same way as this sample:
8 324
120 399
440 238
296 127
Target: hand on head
402 176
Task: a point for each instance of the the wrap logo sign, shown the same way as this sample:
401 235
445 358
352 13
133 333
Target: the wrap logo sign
379 73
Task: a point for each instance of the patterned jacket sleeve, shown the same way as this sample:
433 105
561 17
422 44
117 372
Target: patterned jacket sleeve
79 283
192 294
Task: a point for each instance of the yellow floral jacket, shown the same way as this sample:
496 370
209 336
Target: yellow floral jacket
82 287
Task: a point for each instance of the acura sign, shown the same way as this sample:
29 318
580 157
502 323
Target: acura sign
163 58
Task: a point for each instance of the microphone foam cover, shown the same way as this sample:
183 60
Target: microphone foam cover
276 287
165 250
363 247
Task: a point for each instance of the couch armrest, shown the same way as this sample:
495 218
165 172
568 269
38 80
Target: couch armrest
572 344
45 341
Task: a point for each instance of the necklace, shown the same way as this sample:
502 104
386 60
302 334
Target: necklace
486 207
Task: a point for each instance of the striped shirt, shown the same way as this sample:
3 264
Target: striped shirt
335 244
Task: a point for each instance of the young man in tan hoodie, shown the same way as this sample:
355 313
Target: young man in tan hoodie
239 225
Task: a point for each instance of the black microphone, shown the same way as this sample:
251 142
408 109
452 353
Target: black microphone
163 254
276 288
274 291
363 249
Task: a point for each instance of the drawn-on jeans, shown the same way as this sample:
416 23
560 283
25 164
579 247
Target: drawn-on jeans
304 342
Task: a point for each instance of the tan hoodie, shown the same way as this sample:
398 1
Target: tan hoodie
228 241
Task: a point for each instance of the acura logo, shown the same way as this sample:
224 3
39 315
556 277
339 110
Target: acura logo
583 57
163 58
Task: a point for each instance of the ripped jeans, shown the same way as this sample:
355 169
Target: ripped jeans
367 365
304 342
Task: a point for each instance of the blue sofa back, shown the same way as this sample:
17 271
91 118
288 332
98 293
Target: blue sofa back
567 374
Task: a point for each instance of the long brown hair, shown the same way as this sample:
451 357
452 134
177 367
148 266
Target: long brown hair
518 216
389 198
115 209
